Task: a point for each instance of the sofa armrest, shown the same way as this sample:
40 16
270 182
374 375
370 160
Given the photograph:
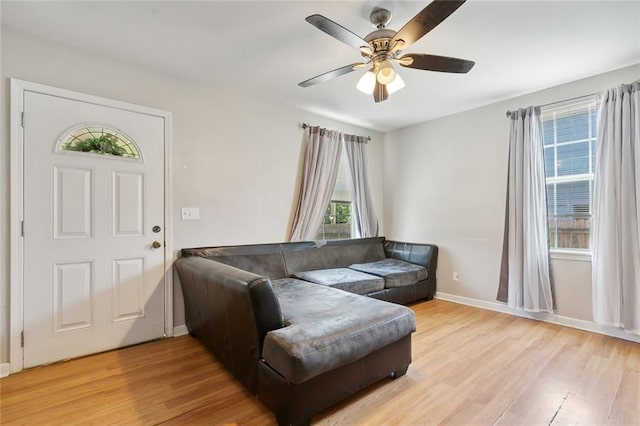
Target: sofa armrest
230 311
421 254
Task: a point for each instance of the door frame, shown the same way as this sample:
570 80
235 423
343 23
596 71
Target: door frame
16 265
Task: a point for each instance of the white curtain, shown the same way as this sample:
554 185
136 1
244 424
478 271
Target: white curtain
319 177
525 281
616 210
364 222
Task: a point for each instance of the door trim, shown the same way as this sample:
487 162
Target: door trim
16 188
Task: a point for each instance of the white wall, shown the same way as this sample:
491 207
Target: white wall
234 157
445 183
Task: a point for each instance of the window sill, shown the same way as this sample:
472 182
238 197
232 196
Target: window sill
580 256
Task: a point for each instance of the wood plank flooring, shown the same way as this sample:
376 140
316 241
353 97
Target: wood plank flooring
470 367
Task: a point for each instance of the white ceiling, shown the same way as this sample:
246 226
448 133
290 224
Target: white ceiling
264 48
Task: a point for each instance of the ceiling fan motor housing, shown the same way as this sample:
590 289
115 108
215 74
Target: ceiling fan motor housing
379 40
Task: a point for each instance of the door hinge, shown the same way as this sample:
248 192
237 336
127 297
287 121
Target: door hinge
22 228
22 118
22 339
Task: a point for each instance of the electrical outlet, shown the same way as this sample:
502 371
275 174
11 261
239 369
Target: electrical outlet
190 213
456 277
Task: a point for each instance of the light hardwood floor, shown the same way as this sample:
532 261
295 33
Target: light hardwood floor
470 366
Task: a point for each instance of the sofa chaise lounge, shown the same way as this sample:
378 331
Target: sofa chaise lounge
291 320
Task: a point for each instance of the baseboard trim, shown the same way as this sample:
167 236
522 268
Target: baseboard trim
541 316
5 369
180 330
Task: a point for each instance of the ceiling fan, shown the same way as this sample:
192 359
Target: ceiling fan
382 47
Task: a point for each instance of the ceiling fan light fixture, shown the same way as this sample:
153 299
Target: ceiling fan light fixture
395 85
367 83
386 74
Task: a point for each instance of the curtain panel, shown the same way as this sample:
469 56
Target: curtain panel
364 222
525 281
616 210
321 163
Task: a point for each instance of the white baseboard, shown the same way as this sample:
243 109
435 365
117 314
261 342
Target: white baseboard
5 368
180 330
541 316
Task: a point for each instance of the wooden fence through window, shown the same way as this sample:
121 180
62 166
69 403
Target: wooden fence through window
334 231
570 232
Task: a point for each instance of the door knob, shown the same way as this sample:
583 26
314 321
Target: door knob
156 244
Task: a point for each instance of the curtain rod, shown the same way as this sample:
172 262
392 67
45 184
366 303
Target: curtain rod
559 102
305 125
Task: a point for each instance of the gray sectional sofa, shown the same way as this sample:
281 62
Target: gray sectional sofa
293 322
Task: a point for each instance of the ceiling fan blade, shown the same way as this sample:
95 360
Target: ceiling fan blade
336 31
380 93
426 20
329 75
436 63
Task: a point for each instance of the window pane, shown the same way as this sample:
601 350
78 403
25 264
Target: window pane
336 224
574 126
573 233
552 220
573 159
549 161
573 198
547 132
551 199
553 232
569 227
101 141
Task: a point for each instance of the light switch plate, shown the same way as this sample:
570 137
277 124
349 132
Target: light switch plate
190 213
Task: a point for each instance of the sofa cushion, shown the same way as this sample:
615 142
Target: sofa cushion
344 279
311 256
327 328
396 273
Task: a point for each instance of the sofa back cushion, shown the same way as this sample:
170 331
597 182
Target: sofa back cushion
260 259
310 256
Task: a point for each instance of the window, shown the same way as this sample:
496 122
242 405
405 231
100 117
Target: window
336 224
99 140
569 138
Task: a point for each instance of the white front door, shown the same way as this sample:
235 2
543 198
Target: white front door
93 277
